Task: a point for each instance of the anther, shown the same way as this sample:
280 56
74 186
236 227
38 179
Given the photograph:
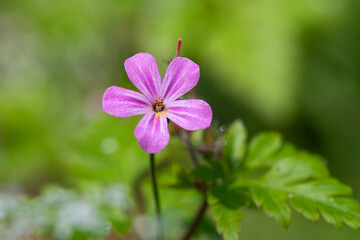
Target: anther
158 105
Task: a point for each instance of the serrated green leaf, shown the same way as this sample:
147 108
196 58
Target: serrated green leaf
227 221
305 207
273 203
330 215
324 195
226 206
341 209
262 147
302 180
235 145
295 168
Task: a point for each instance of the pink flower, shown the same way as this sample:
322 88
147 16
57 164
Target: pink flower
158 100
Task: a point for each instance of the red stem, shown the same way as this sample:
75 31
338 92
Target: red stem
178 47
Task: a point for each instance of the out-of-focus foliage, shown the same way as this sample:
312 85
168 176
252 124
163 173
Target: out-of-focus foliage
64 214
285 65
234 146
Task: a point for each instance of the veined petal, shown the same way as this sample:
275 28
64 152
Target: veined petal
122 102
180 77
192 114
152 132
143 72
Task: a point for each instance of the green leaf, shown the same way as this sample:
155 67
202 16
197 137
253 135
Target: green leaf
328 195
227 221
209 172
234 145
305 207
226 206
302 181
341 209
273 203
231 197
322 188
262 147
298 167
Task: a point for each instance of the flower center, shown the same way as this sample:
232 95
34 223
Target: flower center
158 105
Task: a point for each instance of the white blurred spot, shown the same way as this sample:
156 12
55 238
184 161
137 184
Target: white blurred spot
109 145
222 128
74 216
219 181
145 227
57 196
116 195
8 203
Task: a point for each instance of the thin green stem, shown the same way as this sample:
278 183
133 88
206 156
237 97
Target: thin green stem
156 197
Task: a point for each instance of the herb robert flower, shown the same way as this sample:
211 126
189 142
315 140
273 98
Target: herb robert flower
158 100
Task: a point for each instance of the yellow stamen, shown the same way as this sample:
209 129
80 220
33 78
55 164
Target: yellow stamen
159 114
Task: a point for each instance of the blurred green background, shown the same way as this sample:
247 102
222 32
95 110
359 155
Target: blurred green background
291 66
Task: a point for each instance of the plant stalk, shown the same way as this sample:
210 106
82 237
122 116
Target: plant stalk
159 234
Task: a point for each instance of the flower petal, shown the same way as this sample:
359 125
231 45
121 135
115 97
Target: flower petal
143 72
180 77
152 132
192 114
122 102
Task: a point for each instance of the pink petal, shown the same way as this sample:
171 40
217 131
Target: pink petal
122 102
143 72
152 132
192 114
180 77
